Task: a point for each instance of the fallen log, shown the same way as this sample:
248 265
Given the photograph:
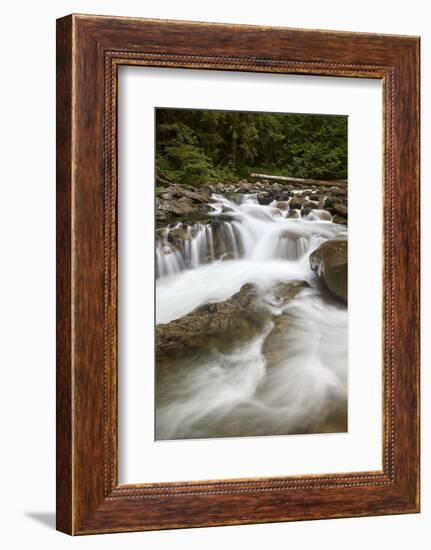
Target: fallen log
162 182
301 181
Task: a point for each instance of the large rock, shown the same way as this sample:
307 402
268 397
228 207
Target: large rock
315 197
245 187
218 324
296 202
222 325
179 201
178 234
310 204
173 207
183 210
276 189
329 262
201 197
264 197
340 209
330 201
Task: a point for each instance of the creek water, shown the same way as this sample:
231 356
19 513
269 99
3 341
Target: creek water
299 384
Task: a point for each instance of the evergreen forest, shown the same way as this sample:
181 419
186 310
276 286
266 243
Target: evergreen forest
204 146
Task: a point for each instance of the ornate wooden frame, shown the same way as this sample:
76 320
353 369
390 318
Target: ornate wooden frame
89 51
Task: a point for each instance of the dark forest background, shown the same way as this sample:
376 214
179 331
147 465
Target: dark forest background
199 146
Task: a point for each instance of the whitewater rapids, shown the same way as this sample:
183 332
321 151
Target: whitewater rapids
300 386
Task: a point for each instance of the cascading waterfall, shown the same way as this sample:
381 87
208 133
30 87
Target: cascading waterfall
253 231
245 391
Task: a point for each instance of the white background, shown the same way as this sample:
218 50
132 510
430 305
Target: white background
27 122
141 458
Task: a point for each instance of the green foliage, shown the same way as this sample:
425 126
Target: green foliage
197 146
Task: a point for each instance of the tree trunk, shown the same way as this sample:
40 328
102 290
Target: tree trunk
307 181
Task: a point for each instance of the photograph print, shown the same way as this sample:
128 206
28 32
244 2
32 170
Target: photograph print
251 274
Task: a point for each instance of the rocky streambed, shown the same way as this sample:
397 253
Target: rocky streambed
176 202
251 311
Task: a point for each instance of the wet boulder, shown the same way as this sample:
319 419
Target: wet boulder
339 219
329 201
178 233
200 197
315 197
340 209
310 204
215 325
244 187
173 207
329 263
264 197
296 202
285 195
277 189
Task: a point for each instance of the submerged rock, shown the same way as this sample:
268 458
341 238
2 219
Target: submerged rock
321 214
291 245
285 292
329 263
178 233
294 213
274 346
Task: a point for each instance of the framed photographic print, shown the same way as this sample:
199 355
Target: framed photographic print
237 274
